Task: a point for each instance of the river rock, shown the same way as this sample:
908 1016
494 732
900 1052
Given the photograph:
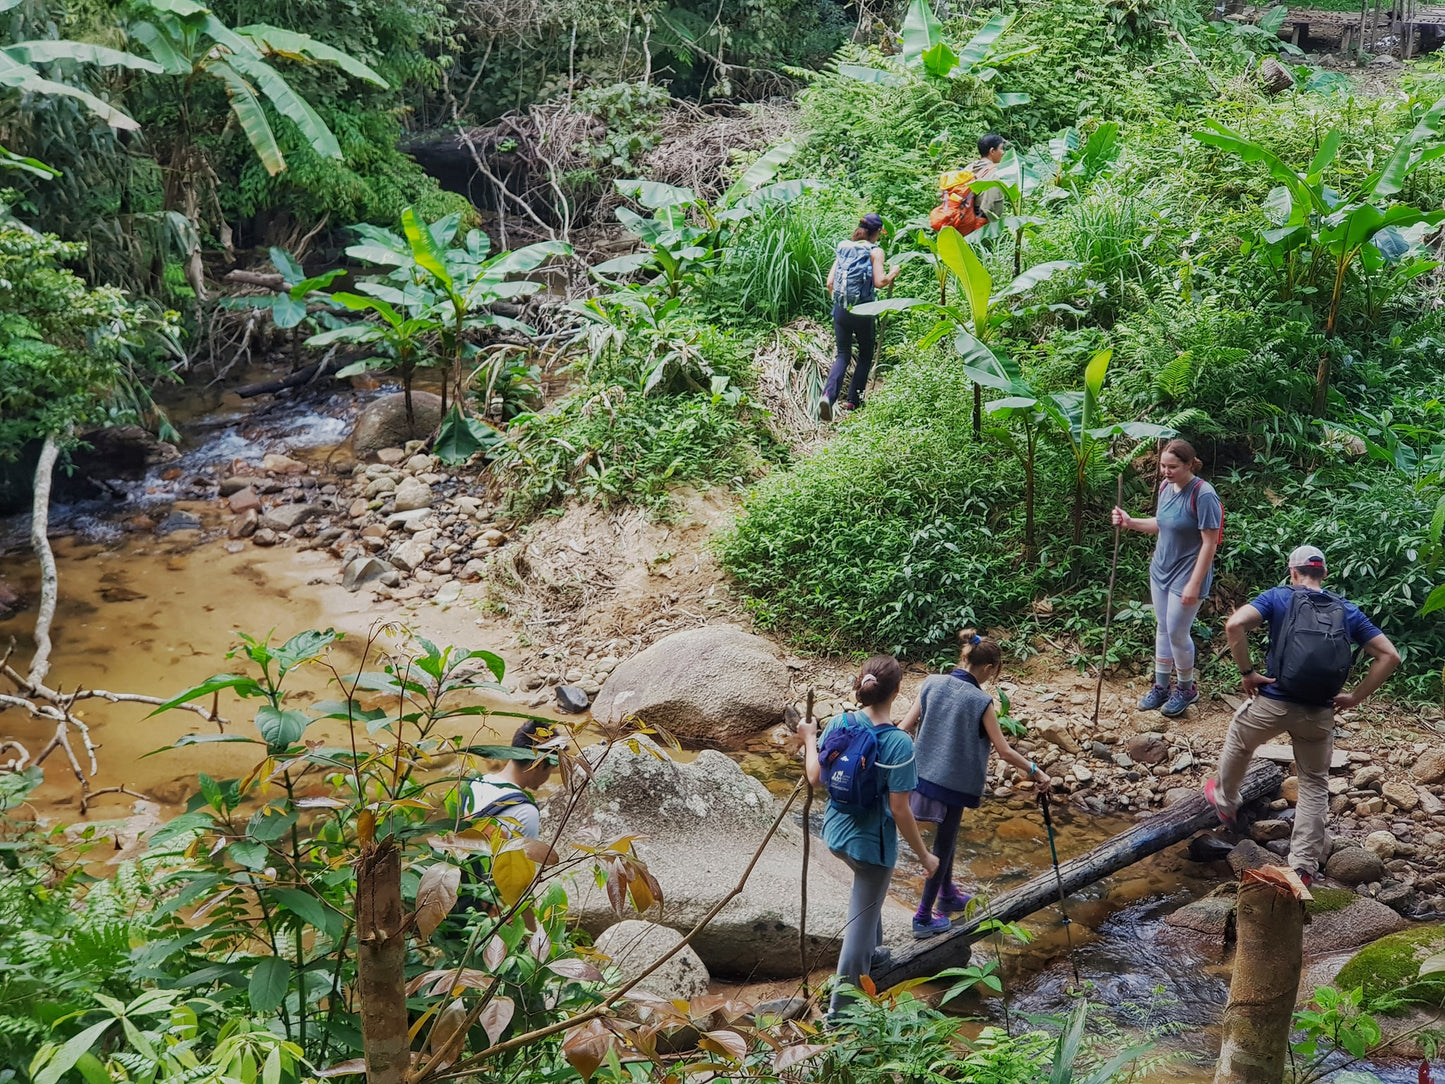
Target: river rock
1369 777
1247 854
265 536
362 570
412 495
244 525
1430 767
1354 866
243 500
274 463
1212 916
1289 789
1400 795
406 521
177 520
1149 748
1384 966
634 944
383 423
571 699
287 517
10 601
1208 847
379 486
409 556
1341 920
1263 831
699 825
1382 845
1056 732
710 685
234 484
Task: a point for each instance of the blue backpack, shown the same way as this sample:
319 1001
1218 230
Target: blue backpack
849 762
853 283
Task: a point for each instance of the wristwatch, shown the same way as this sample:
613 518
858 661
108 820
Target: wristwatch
1246 673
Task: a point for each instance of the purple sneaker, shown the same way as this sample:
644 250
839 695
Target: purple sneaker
951 899
931 926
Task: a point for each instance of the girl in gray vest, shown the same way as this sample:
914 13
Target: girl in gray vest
957 727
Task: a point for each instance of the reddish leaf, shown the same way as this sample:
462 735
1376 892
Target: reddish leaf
539 851
539 945
496 1016
436 896
729 1044
616 888
867 985
790 1056
495 953
572 968
449 1032
423 979
586 1047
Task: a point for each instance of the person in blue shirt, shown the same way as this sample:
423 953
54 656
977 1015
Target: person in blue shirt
867 842
1310 725
1188 522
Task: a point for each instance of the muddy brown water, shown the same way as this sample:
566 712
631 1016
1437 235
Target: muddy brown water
146 612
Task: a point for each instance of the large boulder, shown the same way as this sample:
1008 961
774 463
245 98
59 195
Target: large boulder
633 945
1354 866
1341 919
699 825
1394 961
710 685
383 423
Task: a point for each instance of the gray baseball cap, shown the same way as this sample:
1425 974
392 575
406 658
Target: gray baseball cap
1307 557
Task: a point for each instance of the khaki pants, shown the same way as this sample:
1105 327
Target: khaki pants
1312 731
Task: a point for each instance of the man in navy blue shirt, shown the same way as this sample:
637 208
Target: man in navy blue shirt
1311 727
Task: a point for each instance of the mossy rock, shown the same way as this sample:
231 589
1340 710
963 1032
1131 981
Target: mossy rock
1388 965
1329 899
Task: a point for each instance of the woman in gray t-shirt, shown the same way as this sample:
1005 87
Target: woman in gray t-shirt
1188 524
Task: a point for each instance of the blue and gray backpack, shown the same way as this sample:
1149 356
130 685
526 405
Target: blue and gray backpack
853 283
849 761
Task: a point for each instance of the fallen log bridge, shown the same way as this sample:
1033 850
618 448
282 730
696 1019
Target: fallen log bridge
1177 823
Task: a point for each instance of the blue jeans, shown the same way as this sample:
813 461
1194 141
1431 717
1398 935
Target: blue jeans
847 327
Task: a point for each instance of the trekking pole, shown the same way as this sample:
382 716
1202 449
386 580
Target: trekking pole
1108 603
803 893
1059 879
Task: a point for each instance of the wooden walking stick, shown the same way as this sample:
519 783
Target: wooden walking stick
803 894
1109 600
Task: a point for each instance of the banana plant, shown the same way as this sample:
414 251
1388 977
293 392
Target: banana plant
685 235
288 305
927 55
1073 418
1316 229
975 326
21 61
195 48
427 307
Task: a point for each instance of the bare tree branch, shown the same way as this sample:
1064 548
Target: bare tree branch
40 541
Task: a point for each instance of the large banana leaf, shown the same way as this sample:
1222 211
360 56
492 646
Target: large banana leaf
297 46
252 117
11 160
158 38
424 250
1032 276
289 104
525 259
871 75
380 246
981 43
655 194
27 80
959 257
1218 135
921 31
1094 376
760 172
81 52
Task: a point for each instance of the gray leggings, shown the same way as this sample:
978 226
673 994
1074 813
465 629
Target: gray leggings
864 931
1173 623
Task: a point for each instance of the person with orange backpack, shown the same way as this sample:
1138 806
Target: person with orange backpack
960 206
1190 523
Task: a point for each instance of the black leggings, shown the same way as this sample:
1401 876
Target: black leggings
846 328
944 844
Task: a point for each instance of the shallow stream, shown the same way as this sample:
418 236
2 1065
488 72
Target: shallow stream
152 605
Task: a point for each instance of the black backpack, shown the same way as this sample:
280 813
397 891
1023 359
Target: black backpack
1312 655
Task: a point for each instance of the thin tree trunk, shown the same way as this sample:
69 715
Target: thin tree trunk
977 411
381 960
1270 925
1029 547
49 577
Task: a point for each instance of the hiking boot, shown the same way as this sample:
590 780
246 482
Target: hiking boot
951 899
1154 699
849 406
1178 702
825 409
881 958
1211 792
1307 878
931 925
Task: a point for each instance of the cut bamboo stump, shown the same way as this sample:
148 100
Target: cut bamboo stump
1178 822
1268 955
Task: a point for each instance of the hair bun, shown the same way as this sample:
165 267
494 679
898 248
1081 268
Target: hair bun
968 636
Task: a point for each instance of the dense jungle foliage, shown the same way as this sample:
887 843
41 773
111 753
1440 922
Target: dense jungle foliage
1181 251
